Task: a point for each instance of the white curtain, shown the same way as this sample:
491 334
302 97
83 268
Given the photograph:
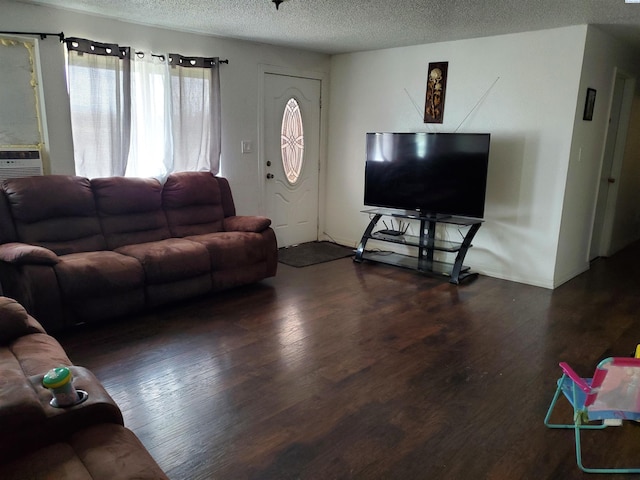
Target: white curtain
195 86
99 96
142 114
151 147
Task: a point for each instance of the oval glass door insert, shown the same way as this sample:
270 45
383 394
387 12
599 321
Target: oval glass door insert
292 141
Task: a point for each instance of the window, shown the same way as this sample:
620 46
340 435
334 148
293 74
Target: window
143 115
292 141
19 94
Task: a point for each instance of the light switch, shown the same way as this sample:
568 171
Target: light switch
246 146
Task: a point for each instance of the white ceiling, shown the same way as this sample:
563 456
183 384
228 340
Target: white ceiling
339 26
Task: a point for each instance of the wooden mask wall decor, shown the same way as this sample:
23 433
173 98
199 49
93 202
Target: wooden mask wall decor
436 89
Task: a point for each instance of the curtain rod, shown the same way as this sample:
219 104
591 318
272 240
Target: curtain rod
160 55
40 34
60 35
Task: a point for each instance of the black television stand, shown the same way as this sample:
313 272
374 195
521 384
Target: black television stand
425 242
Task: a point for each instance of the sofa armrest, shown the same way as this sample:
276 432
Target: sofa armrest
15 322
41 423
23 253
246 223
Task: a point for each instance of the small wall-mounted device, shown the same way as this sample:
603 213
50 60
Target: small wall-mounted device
246 146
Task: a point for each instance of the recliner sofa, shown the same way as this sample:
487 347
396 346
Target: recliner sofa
37 440
75 250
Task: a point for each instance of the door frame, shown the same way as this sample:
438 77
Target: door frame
608 218
264 69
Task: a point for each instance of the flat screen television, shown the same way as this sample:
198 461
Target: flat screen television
434 174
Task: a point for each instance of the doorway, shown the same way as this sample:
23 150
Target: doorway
611 167
291 127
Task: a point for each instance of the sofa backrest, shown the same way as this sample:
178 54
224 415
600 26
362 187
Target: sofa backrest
130 210
56 212
193 203
70 214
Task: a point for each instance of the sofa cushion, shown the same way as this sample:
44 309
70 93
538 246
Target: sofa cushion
89 274
169 260
193 204
232 249
14 321
104 452
56 212
130 210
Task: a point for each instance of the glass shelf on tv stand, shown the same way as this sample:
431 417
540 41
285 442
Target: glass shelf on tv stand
412 214
425 242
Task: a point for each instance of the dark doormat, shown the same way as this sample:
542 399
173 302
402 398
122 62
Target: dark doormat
311 253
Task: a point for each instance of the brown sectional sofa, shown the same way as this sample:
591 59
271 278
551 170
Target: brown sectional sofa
85 441
75 250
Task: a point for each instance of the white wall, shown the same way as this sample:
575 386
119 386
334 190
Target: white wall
534 232
603 55
240 82
529 112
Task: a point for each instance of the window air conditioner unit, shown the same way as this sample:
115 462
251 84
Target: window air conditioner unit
20 162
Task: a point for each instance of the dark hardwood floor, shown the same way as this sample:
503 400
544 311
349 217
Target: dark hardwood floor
344 370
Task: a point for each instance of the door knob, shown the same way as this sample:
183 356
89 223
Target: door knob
269 175
611 180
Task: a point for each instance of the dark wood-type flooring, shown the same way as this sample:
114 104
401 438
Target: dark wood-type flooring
344 370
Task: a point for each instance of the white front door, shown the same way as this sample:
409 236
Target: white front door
292 149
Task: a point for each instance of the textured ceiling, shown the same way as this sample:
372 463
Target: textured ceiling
339 26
